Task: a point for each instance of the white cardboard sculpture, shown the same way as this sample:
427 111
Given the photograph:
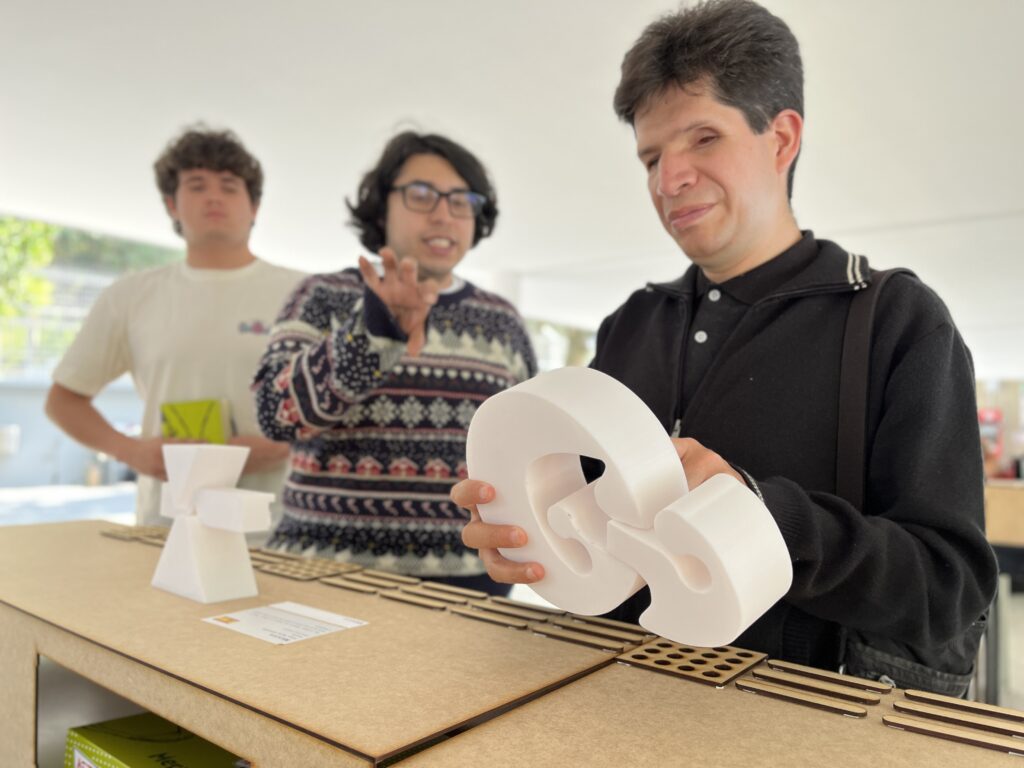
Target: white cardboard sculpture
714 557
206 557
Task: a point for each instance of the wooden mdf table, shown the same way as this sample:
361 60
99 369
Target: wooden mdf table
354 697
1004 512
630 716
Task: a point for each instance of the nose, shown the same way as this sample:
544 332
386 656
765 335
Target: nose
675 173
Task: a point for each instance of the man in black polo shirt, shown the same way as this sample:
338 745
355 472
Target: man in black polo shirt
741 355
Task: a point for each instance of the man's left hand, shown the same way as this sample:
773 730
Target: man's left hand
700 463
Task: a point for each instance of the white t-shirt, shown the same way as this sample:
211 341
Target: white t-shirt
183 334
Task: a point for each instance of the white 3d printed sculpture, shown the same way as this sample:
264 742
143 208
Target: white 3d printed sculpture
713 557
206 557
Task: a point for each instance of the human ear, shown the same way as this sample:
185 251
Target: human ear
787 128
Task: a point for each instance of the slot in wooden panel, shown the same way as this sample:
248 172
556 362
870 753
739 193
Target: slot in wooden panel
591 641
422 602
492 618
830 677
952 733
352 586
974 707
508 610
434 595
388 576
817 686
370 581
958 717
751 685
528 606
473 594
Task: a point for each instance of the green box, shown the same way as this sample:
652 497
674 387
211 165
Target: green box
141 741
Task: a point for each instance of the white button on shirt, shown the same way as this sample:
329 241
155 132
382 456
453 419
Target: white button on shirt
714 294
700 337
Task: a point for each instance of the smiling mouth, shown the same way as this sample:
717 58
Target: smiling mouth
440 245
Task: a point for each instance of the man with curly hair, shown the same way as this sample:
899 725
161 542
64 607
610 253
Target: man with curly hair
373 375
190 331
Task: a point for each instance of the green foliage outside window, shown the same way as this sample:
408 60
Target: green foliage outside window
25 248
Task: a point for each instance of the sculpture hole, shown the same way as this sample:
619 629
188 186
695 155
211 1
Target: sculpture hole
694 572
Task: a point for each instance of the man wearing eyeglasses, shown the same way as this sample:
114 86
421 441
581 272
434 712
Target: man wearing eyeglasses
373 374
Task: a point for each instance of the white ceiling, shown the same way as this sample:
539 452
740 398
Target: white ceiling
912 150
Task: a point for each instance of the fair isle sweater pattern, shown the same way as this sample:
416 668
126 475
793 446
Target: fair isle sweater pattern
378 438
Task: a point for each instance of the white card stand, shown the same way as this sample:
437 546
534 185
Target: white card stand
206 557
713 557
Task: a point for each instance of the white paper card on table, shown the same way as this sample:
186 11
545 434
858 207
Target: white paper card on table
283 623
206 556
714 557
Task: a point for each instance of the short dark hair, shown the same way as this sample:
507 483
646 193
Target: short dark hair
746 55
200 147
370 209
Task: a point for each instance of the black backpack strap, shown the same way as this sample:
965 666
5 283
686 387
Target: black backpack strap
853 389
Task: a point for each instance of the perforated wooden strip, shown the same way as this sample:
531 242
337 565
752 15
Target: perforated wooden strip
957 717
817 686
303 570
388 576
423 602
372 582
492 618
830 677
952 733
335 581
473 594
528 606
434 595
591 641
974 707
598 629
711 666
508 610
751 685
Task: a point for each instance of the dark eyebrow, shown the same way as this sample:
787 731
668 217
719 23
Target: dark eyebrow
703 123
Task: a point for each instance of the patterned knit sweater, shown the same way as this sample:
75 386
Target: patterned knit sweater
378 438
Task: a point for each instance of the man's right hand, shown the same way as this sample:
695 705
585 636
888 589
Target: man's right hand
486 538
407 297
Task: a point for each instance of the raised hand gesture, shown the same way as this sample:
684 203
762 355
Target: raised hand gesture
406 297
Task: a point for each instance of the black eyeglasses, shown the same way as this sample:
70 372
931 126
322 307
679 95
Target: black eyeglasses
422 197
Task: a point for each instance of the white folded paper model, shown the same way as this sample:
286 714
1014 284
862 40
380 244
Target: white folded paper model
713 557
206 557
